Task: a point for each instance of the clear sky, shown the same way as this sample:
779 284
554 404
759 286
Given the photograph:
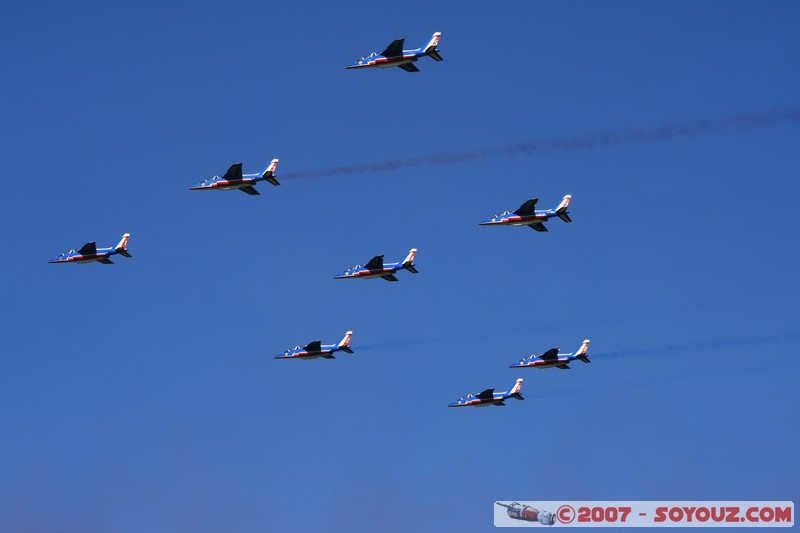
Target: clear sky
144 396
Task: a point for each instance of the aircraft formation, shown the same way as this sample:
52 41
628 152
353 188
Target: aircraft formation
526 215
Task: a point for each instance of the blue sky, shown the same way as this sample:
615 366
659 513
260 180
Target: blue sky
144 396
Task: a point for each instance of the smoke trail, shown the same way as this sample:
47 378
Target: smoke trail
699 373
585 142
712 345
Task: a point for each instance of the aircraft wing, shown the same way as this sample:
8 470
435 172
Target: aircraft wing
538 226
550 354
528 207
105 261
409 67
488 394
234 173
376 263
389 277
313 346
249 190
90 248
395 49
563 367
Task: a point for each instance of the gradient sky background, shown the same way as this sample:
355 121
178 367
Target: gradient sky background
144 396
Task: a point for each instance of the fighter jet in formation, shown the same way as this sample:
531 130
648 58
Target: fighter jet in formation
527 215
90 252
316 349
489 397
377 269
551 358
395 56
234 179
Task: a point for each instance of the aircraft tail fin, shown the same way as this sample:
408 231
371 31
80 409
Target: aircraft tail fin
344 344
581 353
515 390
269 172
122 246
561 209
408 262
430 48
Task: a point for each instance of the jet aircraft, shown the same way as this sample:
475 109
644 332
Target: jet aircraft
489 397
551 358
395 56
376 268
316 349
527 215
234 179
90 252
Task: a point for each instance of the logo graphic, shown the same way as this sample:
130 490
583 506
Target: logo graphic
518 511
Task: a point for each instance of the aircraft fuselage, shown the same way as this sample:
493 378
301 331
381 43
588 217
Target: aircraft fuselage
515 220
326 351
367 274
385 62
89 258
227 185
538 362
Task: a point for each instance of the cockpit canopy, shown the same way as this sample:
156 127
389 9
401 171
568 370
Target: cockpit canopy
367 58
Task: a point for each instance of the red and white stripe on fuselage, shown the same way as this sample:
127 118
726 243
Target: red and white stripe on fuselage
373 273
483 403
524 220
543 363
86 258
312 354
228 185
384 62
